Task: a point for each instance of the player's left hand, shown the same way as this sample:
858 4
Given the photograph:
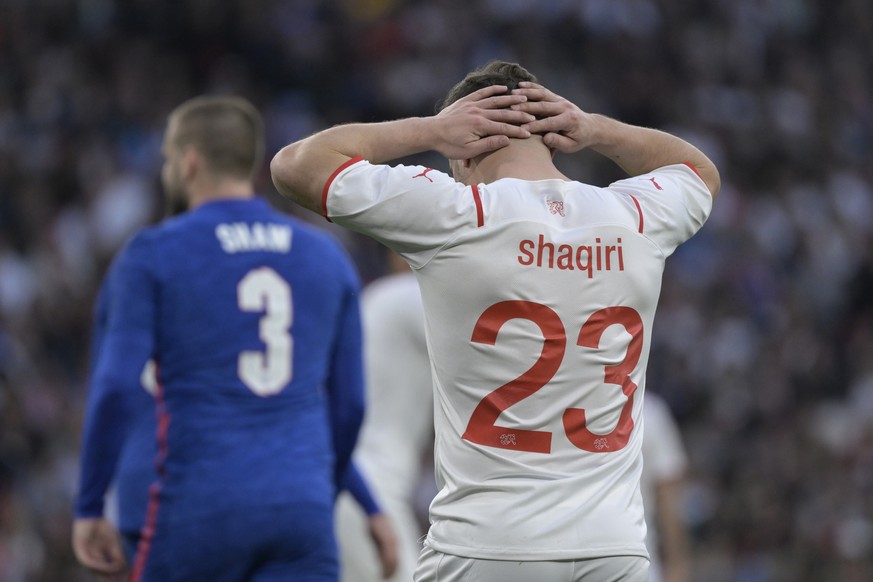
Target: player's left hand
479 123
385 539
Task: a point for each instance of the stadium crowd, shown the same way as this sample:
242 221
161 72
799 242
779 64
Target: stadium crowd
763 345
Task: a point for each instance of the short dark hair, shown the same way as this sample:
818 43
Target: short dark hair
227 131
494 73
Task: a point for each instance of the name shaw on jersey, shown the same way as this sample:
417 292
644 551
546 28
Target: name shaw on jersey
241 237
565 257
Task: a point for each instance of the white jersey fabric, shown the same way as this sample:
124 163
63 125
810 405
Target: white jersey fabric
539 299
664 459
397 429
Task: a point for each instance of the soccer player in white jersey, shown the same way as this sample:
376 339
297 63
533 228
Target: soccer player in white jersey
664 466
398 425
539 294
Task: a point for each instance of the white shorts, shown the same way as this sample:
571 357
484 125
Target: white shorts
436 566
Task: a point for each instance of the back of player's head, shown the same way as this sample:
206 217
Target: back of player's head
494 73
227 131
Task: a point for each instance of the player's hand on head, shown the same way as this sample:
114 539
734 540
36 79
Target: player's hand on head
97 546
563 125
479 123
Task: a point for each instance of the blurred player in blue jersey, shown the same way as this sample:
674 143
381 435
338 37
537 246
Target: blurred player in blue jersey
252 320
136 471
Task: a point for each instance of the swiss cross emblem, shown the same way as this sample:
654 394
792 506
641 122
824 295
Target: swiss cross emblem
556 207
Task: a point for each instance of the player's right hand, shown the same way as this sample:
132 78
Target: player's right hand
564 127
479 123
97 546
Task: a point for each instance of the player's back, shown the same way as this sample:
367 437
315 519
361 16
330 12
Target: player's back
539 298
570 283
540 368
248 309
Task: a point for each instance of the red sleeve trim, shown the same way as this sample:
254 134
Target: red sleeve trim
330 180
480 215
693 169
639 211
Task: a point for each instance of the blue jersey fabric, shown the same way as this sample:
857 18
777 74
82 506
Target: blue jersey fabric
222 298
136 470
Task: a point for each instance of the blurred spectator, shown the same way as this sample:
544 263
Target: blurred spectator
775 292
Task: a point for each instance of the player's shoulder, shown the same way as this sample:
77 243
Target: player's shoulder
161 231
142 240
664 180
398 175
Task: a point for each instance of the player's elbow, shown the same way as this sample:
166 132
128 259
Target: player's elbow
713 181
707 172
292 177
283 169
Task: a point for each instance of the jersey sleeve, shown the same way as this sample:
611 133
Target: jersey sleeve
411 209
345 383
673 203
357 486
123 340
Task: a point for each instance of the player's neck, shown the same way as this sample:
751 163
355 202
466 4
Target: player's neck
521 159
222 189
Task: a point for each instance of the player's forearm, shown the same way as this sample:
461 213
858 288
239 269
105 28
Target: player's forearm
638 150
101 446
301 169
345 388
357 486
675 542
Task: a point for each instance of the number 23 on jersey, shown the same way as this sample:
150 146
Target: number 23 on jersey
482 428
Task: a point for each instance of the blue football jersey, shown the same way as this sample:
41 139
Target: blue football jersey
135 471
252 319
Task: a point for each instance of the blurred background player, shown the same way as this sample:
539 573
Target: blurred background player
539 294
252 319
136 470
398 426
664 467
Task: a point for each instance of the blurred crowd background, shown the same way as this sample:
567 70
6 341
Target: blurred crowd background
763 345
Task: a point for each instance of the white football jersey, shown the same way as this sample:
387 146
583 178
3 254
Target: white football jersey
539 299
398 426
397 429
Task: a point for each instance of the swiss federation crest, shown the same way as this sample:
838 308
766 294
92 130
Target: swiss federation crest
556 207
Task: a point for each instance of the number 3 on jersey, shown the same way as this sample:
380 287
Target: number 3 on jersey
482 428
263 290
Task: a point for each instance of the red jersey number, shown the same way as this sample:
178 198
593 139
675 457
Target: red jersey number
482 428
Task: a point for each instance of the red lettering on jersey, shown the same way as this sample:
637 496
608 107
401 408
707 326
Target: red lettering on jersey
566 257
524 247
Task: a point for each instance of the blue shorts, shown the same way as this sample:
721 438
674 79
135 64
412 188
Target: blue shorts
263 545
